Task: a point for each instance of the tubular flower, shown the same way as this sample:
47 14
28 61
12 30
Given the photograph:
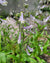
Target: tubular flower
19 39
21 19
31 49
41 48
45 20
2 20
28 27
3 2
27 52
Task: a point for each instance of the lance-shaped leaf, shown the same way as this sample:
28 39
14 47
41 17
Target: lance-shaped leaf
19 39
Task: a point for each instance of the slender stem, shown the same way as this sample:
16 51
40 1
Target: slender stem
19 27
23 33
0 40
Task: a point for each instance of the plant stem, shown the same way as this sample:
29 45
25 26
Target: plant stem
0 40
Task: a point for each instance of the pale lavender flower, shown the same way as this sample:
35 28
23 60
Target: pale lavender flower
28 27
45 28
31 31
41 48
45 20
21 19
44 6
31 49
38 12
3 2
19 39
32 17
27 52
2 20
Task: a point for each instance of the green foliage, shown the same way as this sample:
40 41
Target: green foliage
2 57
12 52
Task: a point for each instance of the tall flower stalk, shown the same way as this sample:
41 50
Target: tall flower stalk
21 30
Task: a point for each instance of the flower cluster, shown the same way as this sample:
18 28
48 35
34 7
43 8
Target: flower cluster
3 2
21 19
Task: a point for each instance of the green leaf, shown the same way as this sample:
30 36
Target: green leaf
32 60
46 44
43 61
39 60
2 57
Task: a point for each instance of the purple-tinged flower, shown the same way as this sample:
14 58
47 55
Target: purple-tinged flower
21 19
44 6
19 39
28 27
31 49
31 31
41 48
27 52
45 20
3 2
32 17
38 12
2 20
45 28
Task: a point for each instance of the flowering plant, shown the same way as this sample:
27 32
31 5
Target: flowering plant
27 46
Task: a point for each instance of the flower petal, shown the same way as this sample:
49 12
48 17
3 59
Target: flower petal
27 52
19 39
28 27
3 2
31 49
21 19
